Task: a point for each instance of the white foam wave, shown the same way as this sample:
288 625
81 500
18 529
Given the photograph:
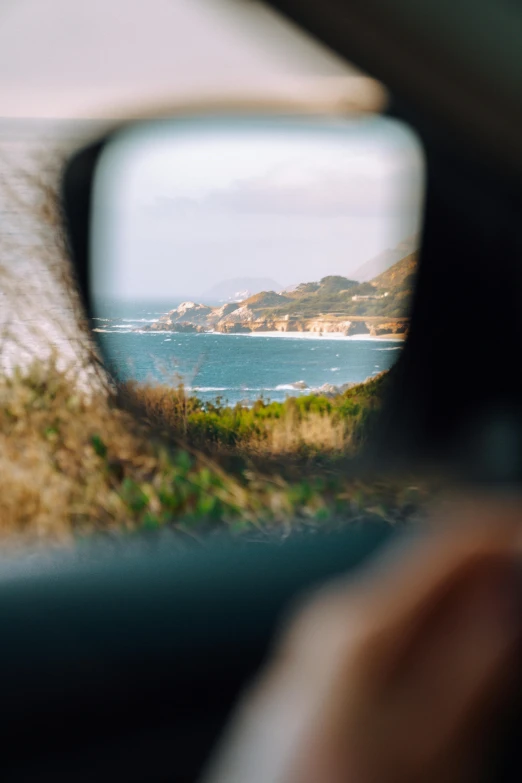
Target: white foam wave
140 320
282 335
119 330
237 389
155 334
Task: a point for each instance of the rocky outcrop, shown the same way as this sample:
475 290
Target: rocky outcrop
330 390
389 329
192 312
179 326
244 318
233 328
327 389
325 326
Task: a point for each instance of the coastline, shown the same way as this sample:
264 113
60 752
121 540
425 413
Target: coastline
395 338
327 336
334 336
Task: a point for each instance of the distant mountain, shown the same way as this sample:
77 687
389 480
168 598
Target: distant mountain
409 245
379 264
239 288
376 266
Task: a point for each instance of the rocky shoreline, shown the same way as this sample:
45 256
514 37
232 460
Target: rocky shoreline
193 318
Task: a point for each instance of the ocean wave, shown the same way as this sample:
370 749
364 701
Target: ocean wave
113 331
152 334
119 323
243 389
395 348
140 320
331 336
125 330
334 369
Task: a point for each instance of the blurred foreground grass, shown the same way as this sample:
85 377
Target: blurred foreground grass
305 426
72 463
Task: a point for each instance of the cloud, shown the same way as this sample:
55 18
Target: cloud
328 193
309 193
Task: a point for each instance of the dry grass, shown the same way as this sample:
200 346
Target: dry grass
164 408
72 465
51 478
315 432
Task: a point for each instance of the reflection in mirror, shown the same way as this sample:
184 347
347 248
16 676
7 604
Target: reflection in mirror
257 259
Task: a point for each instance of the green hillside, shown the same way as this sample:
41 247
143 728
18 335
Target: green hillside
266 299
390 295
400 275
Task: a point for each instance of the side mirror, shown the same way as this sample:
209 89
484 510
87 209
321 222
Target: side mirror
250 256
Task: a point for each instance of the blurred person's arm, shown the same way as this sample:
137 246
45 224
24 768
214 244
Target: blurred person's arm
398 677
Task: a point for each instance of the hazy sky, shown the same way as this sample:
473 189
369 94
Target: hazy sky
180 209
77 60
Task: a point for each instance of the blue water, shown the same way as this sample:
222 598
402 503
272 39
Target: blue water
238 367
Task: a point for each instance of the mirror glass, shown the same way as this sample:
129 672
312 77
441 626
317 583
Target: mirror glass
253 259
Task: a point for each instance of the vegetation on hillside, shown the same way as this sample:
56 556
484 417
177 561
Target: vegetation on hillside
304 426
334 295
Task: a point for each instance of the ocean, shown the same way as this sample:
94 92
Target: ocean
235 367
